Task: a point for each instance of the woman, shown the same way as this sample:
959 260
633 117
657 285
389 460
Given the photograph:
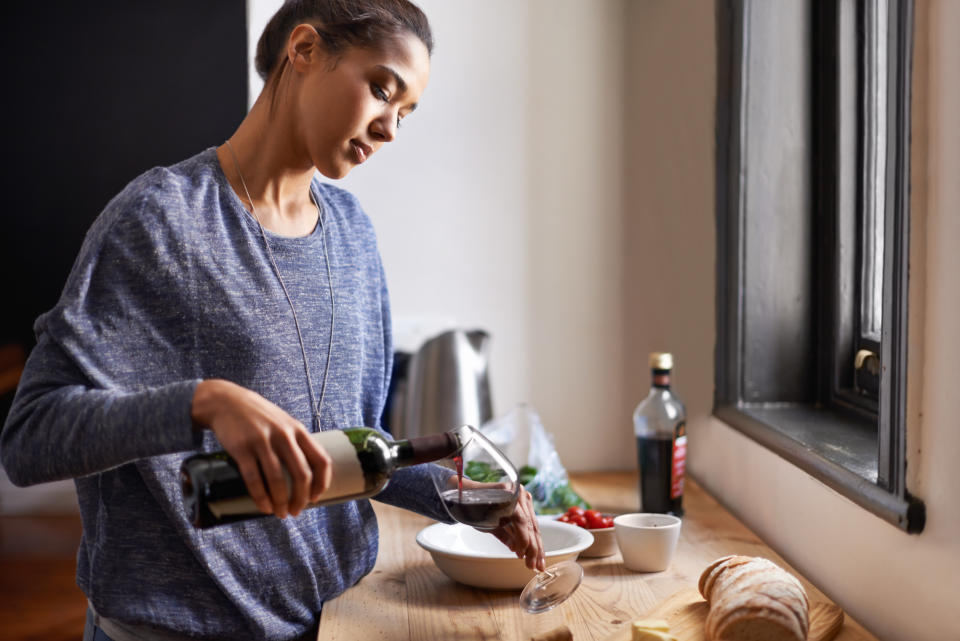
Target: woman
234 301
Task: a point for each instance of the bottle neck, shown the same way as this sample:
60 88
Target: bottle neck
424 449
661 379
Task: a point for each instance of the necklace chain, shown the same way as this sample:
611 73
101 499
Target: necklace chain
316 405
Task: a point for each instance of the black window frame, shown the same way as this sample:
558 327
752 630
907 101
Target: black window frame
810 411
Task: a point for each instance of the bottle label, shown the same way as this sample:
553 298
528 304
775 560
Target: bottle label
346 479
679 466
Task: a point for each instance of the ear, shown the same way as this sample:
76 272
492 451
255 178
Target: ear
304 47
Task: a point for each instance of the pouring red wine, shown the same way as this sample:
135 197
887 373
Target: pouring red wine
482 507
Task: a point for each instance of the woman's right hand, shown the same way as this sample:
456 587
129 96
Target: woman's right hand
261 436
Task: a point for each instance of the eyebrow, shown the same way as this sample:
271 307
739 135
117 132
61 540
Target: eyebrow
401 83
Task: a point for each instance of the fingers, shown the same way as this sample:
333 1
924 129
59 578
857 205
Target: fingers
534 556
522 534
296 470
250 471
283 468
320 464
290 491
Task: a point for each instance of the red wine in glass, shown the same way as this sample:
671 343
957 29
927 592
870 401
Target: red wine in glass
482 508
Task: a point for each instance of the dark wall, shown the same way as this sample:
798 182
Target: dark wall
96 93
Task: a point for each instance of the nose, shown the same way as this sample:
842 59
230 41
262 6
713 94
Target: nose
384 128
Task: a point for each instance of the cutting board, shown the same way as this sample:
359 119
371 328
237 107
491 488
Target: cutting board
686 612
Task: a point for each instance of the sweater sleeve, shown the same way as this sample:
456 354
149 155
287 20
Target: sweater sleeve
106 383
59 427
412 489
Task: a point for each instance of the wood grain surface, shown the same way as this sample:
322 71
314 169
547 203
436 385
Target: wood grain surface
407 598
686 612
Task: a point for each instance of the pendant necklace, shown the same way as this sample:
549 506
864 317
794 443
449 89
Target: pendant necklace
315 405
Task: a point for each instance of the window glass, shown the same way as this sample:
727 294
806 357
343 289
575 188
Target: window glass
875 157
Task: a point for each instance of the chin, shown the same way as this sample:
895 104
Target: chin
336 172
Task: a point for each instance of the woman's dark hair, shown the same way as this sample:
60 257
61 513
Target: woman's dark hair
341 24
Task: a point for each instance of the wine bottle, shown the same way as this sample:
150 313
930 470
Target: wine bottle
659 423
214 492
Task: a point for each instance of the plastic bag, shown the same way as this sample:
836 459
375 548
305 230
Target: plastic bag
522 438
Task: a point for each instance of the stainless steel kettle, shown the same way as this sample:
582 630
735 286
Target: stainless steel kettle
446 385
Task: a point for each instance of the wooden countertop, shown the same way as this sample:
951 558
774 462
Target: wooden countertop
407 598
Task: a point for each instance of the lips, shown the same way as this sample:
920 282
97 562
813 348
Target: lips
360 151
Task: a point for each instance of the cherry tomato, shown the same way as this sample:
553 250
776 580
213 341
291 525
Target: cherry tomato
587 519
594 519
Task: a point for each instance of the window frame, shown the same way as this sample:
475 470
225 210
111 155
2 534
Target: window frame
807 420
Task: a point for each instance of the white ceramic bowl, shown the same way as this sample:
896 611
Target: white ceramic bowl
647 541
479 559
604 543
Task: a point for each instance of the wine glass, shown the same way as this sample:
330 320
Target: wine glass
480 460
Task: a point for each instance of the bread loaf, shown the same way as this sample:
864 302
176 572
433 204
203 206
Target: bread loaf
753 599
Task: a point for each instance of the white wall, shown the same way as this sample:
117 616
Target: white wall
575 124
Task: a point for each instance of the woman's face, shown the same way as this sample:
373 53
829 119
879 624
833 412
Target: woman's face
349 107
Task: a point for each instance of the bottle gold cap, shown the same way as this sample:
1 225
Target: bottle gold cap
661 360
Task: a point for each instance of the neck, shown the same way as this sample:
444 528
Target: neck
274 168
661 380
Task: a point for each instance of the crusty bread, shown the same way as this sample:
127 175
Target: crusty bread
753 599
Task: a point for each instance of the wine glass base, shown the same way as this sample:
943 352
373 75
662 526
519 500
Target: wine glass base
550 588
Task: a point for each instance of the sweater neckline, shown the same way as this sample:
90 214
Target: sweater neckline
230 196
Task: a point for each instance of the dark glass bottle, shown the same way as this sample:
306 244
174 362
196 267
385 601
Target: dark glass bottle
363 460
659 423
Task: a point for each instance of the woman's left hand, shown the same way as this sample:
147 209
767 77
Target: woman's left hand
520 531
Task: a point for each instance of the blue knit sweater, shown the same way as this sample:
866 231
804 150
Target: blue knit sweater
173 285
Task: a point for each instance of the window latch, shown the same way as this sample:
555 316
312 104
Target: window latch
866 373
869 359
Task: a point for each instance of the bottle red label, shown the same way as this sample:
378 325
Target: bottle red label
679 464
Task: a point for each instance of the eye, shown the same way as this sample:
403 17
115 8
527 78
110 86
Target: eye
379 93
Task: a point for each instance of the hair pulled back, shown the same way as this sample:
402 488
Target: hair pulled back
341 24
